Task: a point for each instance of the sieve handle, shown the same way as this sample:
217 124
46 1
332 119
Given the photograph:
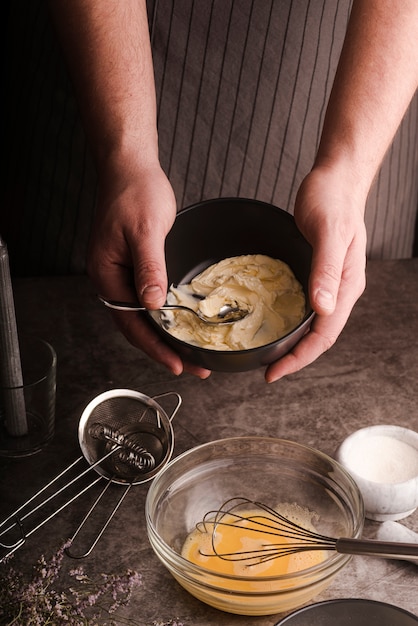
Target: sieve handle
69 550
368 547
178 401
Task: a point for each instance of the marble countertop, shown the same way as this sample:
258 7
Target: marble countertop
369 377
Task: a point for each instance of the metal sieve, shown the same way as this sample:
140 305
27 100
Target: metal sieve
126 437
133 428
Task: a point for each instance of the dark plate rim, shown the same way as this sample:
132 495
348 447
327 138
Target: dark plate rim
345 601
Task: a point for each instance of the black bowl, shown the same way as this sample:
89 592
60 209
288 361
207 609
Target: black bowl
210 231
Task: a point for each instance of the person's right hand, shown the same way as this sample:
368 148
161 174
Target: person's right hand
136 209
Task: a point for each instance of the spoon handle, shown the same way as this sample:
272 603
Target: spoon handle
130 306
135 306
122 306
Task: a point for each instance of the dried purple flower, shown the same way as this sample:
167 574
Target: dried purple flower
36 602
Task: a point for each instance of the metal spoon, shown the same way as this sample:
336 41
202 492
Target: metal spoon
227 314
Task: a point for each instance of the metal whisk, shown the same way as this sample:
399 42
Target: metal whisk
292 538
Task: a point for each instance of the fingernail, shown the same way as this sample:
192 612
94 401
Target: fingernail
325 299
152 291
152 296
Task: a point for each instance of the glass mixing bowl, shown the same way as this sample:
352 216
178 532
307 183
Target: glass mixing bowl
272 471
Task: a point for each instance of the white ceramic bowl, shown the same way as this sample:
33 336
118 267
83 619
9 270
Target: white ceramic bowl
383 460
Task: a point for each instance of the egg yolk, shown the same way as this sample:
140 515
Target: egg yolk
242 547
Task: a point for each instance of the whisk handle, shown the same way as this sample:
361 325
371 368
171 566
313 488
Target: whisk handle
385 549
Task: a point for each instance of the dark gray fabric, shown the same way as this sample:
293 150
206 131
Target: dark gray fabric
242 91
242 87
49 179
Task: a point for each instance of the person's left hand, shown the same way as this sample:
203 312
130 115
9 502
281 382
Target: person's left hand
329 214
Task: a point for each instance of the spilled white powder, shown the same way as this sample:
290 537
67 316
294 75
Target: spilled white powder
384 459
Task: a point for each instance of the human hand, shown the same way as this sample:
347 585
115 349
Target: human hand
135 211
329 213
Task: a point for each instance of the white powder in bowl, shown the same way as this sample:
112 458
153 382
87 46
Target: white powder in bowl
384 459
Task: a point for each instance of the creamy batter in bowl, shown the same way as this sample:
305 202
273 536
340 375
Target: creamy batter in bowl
214 230
265 287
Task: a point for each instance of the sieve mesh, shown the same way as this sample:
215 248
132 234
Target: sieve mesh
122 411
134 430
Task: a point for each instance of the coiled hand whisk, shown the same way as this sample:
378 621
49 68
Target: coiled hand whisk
265 521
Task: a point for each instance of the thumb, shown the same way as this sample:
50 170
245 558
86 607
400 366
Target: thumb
150 270
325 279
153 296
